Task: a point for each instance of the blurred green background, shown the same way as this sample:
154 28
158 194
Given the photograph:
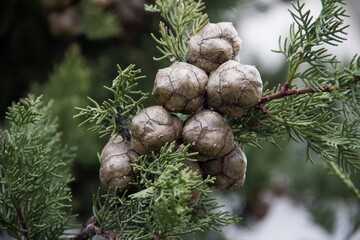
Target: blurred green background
67 50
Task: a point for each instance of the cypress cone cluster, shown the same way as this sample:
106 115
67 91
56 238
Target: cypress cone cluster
212 75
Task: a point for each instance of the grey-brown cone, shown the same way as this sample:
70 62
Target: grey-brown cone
116 158
209 134
215 44
152 127
229 171
233 88
180 87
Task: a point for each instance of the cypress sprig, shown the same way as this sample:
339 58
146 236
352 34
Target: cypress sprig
161 208
35 200
325 113
183 19
308 35
114 114
24 112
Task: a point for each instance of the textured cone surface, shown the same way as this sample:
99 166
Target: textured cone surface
214 45
229 170
209 134
233 88
152 127
180 87
116 158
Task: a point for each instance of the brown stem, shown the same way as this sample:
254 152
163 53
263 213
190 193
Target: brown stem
92 228
285 92
22 223
286 87
262 109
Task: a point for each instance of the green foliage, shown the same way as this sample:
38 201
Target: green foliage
324 114
35 201
114 115
184 18
162 208
71 78
96 23
67 86
307 38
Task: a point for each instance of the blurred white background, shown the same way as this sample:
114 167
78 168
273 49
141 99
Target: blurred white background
260 30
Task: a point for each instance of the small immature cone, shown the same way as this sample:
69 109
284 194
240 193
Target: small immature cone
116 158
152 127
233 88
229 171
180 87
209 134
214 45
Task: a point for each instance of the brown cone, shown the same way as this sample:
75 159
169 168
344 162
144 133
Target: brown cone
233 88
116 158
209 134
229 170
152 127
214 45
180 87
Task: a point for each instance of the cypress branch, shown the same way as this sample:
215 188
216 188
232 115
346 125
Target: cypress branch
113 115
308 35
35 201
285 92
323 115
